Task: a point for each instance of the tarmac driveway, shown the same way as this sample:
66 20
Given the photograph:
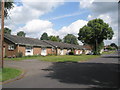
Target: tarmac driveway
97 73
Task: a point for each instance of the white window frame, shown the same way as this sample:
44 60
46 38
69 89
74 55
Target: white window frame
11 47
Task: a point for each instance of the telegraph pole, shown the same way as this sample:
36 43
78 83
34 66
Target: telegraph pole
2 32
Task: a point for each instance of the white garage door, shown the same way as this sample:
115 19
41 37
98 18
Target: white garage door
61 52
29 50
43 52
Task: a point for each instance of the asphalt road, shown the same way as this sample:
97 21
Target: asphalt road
96 73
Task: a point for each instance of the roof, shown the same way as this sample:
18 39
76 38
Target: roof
63 45
36 42
87 47
25 41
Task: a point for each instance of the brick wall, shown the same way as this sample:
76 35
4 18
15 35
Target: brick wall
10 53
21 48
36 50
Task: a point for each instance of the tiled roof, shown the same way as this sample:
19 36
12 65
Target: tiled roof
63 45
43 43
26 41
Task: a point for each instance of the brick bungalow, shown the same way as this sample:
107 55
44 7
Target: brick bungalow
87 49
28 46
64 48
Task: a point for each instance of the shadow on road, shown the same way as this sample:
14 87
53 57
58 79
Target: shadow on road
95 74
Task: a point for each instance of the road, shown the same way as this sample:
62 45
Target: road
96 73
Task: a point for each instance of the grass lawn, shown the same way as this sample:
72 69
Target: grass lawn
59 58
9 73
23 58
109 52
68 58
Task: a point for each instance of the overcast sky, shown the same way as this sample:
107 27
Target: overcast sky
60 18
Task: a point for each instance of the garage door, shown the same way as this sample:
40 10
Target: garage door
29 50
43 52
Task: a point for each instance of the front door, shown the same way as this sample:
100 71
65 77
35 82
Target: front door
43 52
29 51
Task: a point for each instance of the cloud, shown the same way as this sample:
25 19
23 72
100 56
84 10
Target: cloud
37 27
72 28
28 11
67 15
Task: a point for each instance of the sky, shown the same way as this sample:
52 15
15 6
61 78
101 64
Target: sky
35 17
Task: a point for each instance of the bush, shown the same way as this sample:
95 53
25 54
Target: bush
19 54
71 53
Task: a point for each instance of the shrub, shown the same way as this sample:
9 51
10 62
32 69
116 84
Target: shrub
71 53
19 54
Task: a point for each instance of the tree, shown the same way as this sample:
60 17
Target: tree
71 39
21 33
94 33
114 45
8 6
44 36
7 30
59 39
55 38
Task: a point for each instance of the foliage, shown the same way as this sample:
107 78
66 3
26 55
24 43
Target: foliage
94 33
71 53
21 33
44 36
19 54
110 47
114 45
71 39
7 30
55 38
8 6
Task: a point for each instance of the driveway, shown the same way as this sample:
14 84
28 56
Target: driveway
96 73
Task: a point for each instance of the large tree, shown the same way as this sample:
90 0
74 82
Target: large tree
7 30
71 39
55 38
94 33
44 36
21 33
8 6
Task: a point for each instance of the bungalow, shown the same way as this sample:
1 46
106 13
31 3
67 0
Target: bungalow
13 45
87 49
64 48
28 46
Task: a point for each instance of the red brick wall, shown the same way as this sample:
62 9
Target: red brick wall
21 49
36 50
10 53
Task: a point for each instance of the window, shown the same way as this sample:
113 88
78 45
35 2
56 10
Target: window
11 47
52 49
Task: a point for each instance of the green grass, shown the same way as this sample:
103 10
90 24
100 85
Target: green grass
9 73
22 58
57 58
109 52
68 58
60 58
